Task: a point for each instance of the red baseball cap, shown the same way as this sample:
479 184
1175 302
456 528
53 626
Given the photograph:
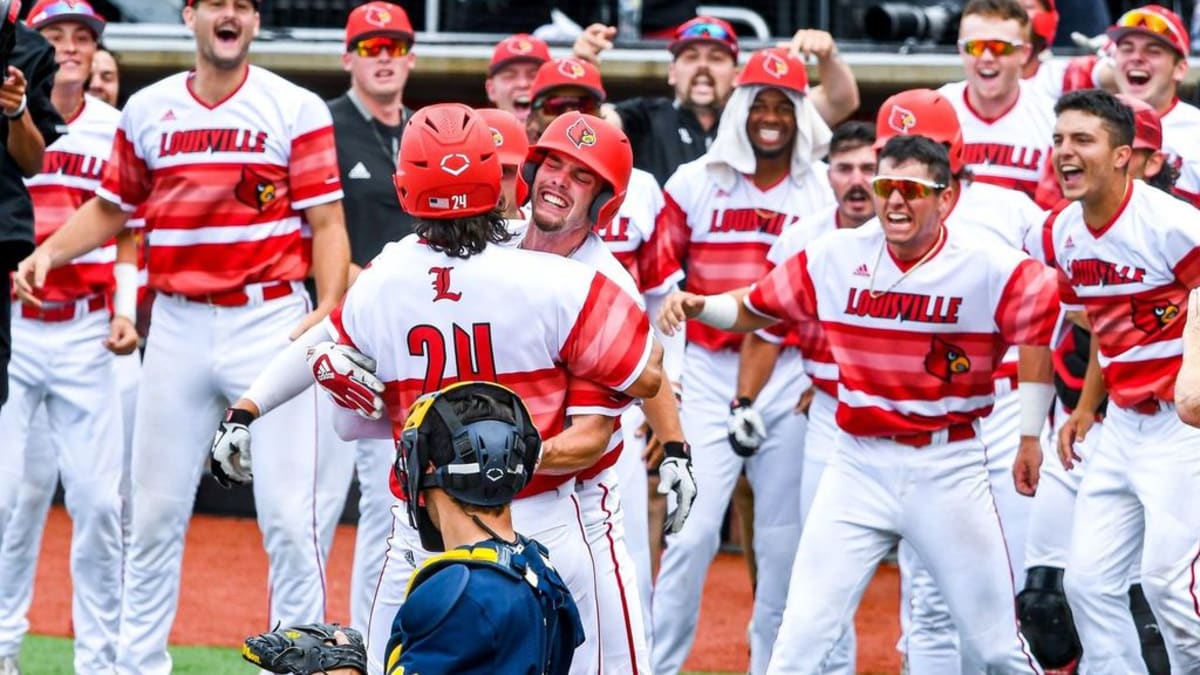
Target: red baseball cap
48 12
378 18
568 72
775 67
1156 21
1147 127
257 4
704 29
517 48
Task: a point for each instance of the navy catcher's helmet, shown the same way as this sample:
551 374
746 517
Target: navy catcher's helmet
481 442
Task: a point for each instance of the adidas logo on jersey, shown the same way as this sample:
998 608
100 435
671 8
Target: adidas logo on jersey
359 172
862 271
168 117
1070 243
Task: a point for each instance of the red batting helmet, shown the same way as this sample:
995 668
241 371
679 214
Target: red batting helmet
921 112
598 145
449 167
511 143
775 67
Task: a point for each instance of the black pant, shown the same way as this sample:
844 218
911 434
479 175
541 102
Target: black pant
5 333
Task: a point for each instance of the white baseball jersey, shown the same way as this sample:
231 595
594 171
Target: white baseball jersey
71 170
724 235
915 353
1181 143
1008 150
630 235
476 320
224 186
1132 276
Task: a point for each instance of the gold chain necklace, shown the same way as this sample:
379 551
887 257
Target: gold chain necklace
879 258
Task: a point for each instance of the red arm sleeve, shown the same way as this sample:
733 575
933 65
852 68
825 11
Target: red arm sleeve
786 293
1028 307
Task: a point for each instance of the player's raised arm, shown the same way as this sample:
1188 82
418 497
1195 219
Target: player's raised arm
724 310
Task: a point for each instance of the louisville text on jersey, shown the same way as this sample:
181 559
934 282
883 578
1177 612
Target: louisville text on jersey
904 306
71 164
1000 154
1095 272
751 220
191 141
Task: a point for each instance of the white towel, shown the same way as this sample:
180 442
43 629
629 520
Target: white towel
731 153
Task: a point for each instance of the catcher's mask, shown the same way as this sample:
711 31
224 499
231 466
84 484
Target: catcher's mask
490 459
9 9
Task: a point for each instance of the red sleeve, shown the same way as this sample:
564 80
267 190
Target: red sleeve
610 342
787 292
126 179
1028 307
668 246
313 176
1048 192
1187 270
1079 73
585 397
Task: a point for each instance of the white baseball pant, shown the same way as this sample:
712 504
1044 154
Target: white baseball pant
65 365
635 502
930 639
774 473
199 358
874 493
820 445
129 376
1140 488
552 518
623 648
373 459
335 469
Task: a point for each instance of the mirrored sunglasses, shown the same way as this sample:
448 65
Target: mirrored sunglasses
372 47
557 105
1146 20
703 30
909 188
976 48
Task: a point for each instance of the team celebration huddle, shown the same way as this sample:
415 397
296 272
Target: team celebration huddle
959 328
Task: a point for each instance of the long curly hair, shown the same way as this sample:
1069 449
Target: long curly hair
464 237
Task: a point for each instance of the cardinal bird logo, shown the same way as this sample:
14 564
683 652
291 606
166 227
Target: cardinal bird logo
254 189
497 137
902 119
1153 315
945 360
520 46
377 16
581 135
775 66
571 68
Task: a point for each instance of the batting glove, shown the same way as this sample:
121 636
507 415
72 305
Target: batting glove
348 376
747 431
675 475
231 449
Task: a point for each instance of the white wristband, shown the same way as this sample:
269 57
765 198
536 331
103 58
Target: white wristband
125 297
16 114
720 311
1036 399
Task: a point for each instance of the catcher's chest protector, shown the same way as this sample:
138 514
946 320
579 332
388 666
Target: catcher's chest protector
495 575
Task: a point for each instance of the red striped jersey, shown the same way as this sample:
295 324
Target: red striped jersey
71 171
1181 143
1132 276
723 235
629 235
917 352
527 320
224 186
1008 150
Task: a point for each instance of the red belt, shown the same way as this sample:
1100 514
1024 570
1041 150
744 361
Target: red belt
1151 406
920 439
58 312
239 297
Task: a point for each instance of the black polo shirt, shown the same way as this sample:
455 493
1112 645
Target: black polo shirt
35 57
663 135
367 151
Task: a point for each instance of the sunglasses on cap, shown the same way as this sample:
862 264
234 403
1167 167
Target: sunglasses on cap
704 30
909 188
372 47
976 48
557 105
1143 19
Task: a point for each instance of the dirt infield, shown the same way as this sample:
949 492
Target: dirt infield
224 596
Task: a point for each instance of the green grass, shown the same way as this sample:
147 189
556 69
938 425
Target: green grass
52 656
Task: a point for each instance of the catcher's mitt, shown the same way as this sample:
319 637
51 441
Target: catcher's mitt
305 650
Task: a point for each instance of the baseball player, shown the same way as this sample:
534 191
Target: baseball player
851 167
237 173
1152 46
61 360
560 169
105 81
914 372
1006 122
983 214
1126 255
457 280
512 144
723 212
511 72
